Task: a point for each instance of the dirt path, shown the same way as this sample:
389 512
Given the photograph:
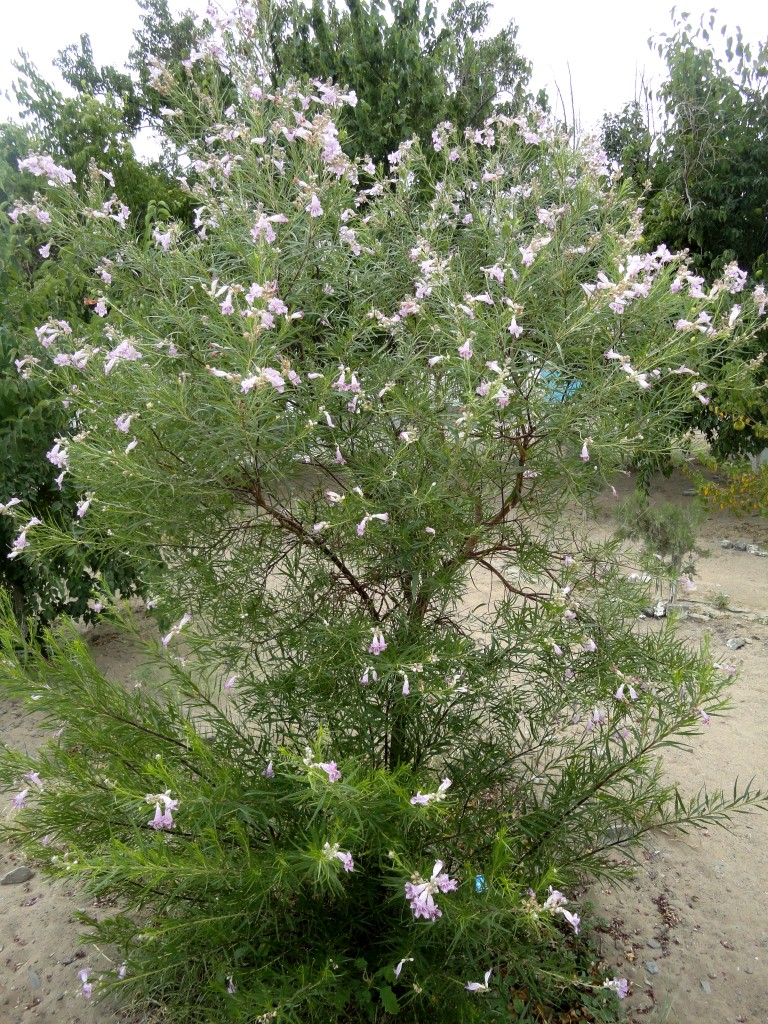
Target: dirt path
690 932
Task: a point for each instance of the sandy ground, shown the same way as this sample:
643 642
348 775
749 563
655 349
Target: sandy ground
690 932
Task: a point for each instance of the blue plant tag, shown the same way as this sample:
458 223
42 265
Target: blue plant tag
480 885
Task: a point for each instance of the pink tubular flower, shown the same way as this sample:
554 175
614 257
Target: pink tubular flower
378 643
369 675
175 630
420 894
589 646
44 167
396 970
123 421
329 767
163 819
87 989
573 919
334 853
269 772
465 351
125 350
58 456
618 985
19 801
584 453
313 208
477 986
515 329
35 779
424 799
19 544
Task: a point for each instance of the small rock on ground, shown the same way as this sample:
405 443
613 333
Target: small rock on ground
652 967
706 987
17 875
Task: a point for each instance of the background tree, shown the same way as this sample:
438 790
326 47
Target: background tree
705 182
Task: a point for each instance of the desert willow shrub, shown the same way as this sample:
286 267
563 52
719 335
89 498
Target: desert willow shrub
401 695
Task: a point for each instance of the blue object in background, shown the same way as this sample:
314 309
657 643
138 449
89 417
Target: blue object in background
557 387
480 883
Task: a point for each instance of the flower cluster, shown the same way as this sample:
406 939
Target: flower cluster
420 893
164 805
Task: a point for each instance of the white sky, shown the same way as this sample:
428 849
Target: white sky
604 42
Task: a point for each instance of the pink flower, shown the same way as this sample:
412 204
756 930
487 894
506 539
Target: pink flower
125 350
123 421
230 682
19 544
406 686
334 853
589 646
35 779
584 453
163 819
87 989
58 456
369 674
19 801
339 458
618 985
703 716
313 208
515 329
378 643
420 893
396 970
573 919
269 772
45 250
424 799
477 986
175 630
329 767
465 351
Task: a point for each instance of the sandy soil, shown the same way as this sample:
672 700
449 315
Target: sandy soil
690 932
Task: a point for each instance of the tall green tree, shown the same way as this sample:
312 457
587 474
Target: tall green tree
704 175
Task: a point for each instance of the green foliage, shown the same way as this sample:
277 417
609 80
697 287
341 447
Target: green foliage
668 535
409 69
666 529
706 190
345 426
710 190
627 140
